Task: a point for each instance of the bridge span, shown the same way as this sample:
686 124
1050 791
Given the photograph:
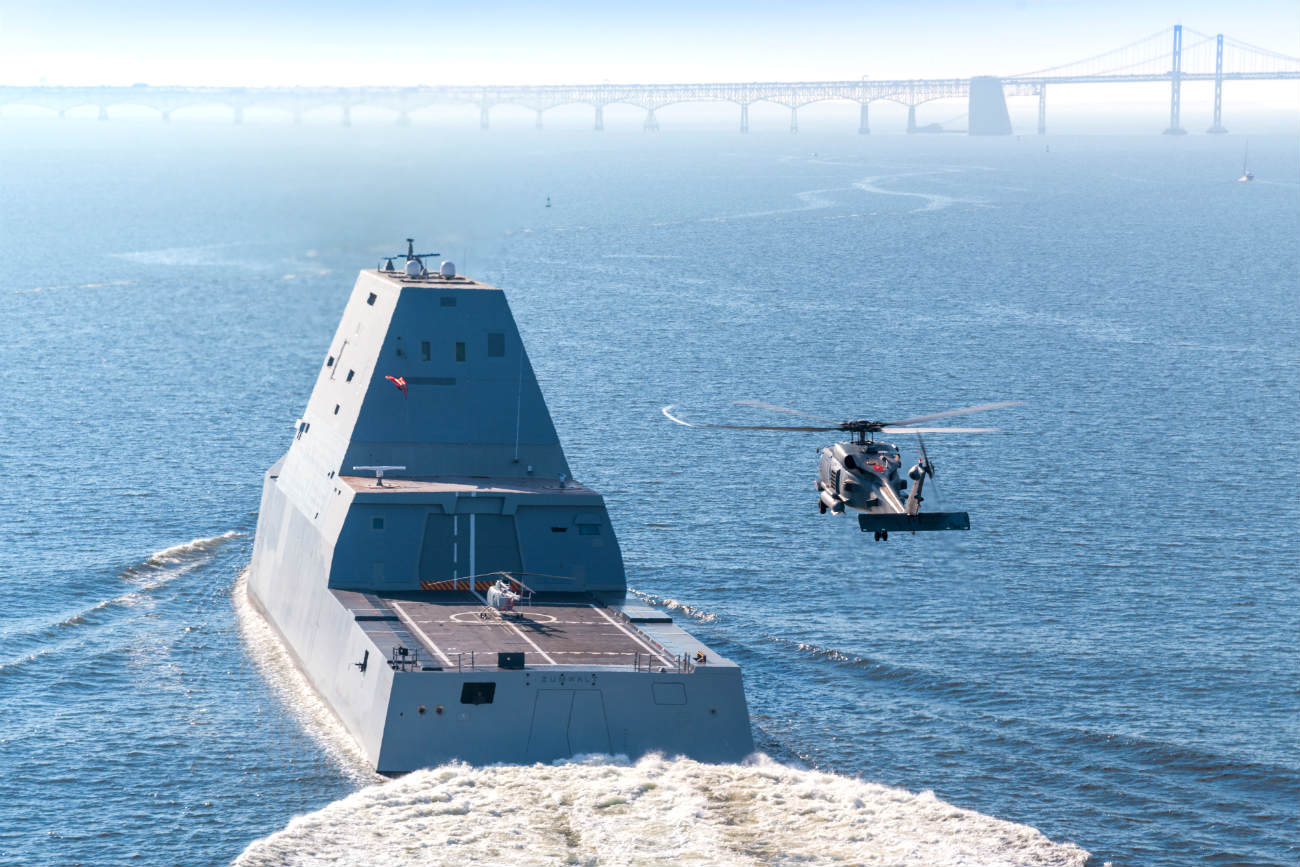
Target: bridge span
1160 57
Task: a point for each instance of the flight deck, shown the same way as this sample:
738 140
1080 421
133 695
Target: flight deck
457 630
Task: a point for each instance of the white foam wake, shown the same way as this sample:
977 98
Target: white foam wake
656 811
933 201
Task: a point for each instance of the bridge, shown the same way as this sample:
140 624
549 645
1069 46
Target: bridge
1160 57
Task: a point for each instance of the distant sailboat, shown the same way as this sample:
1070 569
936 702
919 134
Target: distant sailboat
1246 174
548 201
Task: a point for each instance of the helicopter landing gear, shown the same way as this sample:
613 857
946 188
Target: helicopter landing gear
882 535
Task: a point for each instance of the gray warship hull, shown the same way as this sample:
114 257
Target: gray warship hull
380 591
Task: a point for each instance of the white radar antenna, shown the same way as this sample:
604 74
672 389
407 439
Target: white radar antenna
379 473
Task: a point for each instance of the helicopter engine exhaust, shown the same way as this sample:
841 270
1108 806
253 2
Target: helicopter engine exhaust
830 502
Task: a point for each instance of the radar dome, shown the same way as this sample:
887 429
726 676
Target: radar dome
448 268
414 267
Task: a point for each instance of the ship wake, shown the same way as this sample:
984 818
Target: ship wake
604 811
139 583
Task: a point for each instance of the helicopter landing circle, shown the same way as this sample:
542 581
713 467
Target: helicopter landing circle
534 616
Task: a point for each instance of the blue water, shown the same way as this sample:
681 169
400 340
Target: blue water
1111 655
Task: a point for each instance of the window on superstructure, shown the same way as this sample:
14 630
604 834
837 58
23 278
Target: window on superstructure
496 345
351 373
376 523
426 351
329 362
460 351
336 409
371 299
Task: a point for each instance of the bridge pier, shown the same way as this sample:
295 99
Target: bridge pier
1042 109
651 124
297 118
239 114
103 112
600 118
911 119
864 128
794 119
483 121
538 123
1176 88
1217 128
744 117
347 116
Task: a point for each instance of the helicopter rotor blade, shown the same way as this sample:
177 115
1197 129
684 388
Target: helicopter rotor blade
929 471
960 430
672 417
772 407
983 407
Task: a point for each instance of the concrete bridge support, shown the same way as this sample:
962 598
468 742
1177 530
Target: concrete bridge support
651 124
911 119
1042 109
987 110
794 119
483 118
1176 88
103 112
744 117
347 115
864 128
1217 128
538 123
239 115
600 118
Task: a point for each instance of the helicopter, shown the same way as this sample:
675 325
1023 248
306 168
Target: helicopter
865 475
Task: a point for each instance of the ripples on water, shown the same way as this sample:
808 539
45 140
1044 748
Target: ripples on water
1108 657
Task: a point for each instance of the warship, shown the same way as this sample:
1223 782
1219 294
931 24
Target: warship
446 587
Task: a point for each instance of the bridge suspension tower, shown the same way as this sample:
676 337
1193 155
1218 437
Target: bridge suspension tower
1176 89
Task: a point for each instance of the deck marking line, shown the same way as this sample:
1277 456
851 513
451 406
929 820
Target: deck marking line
410 621
630 635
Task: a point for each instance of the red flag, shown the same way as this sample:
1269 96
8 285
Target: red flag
400 382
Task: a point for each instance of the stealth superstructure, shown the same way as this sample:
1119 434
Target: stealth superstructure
424 473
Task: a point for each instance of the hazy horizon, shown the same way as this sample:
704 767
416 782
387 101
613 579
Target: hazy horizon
398 42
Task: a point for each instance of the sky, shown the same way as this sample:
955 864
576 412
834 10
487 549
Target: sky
399 42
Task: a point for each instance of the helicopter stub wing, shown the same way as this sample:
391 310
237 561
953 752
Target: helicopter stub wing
923 521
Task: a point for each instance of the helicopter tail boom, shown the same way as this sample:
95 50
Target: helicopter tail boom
922 521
